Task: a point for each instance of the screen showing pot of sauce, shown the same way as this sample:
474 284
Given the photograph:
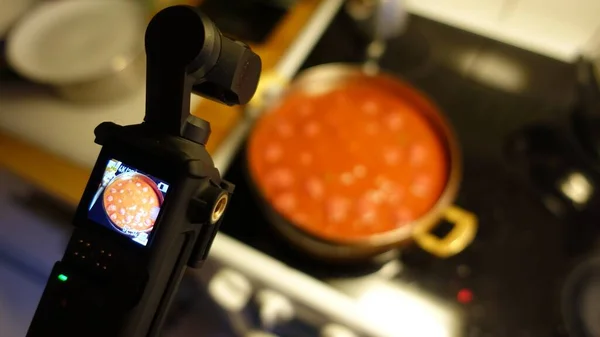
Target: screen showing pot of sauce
130 203
349 163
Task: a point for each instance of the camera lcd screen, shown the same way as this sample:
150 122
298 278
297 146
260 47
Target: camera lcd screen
128 201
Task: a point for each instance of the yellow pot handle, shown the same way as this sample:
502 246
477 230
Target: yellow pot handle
462 234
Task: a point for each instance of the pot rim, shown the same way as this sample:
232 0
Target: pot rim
331 75
126 176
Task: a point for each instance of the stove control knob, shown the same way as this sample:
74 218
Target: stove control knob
274 308
336 330
230 289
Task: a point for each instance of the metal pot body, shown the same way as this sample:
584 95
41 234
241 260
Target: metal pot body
323 78
127 176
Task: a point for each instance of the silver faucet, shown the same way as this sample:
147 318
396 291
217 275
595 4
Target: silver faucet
380 20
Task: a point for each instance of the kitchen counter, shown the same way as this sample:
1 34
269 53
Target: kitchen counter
50 143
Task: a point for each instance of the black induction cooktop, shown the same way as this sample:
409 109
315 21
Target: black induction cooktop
510 279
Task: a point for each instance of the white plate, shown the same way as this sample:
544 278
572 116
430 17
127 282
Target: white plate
71 41
11 11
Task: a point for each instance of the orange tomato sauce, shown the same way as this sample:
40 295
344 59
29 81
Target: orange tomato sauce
350 163
131 204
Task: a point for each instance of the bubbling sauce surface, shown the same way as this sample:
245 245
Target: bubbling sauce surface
350 163
131 204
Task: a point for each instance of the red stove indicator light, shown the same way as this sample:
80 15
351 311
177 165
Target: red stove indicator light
464 296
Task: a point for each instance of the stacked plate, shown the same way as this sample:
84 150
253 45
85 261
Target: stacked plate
87 50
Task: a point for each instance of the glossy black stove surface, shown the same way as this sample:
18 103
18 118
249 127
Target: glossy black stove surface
517 264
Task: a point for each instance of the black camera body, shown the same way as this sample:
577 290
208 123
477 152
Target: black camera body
104 284
154 200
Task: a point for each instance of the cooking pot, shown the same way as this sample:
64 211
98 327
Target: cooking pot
124 177
327 77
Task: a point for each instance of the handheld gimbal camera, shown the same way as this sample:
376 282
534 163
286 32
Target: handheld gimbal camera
154 200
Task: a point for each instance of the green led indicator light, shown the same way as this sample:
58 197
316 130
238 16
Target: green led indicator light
63 277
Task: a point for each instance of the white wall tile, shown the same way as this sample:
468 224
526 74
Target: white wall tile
480 16
469 8
592 46
562 27
557 28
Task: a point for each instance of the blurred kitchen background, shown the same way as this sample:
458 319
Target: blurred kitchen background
517 80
